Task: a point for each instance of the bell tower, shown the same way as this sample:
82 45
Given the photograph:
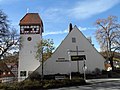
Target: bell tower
31 29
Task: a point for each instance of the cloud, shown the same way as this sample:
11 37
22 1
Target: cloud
87 8
82 28
8 1
55 33
81 9
52 15
66 31
86 28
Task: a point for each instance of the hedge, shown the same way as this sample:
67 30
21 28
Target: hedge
45 84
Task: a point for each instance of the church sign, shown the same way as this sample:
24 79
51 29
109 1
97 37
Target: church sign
78 57
62 60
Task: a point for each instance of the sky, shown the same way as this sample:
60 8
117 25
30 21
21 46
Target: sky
58 14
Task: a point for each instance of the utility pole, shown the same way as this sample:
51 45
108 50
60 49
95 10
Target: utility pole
84 69
42 65
69 62
42 60
77 61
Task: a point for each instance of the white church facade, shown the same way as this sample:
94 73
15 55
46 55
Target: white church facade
75 45
63 60
31 29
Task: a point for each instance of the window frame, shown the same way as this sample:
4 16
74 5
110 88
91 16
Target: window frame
73 39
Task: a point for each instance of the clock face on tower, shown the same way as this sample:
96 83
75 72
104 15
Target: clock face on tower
30 29
29 38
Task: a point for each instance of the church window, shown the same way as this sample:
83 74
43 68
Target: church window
73 40
28 29
35 29
22 73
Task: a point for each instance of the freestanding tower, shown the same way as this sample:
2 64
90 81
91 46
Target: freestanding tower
31 29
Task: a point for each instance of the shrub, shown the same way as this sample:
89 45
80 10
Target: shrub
45 84
30 84
63 83
35 76
97 71
3 86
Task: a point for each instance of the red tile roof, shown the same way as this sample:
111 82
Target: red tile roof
4 69
31 19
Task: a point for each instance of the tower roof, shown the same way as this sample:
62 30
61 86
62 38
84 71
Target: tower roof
31 19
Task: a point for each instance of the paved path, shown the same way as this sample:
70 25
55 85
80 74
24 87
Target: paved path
92 81
97 84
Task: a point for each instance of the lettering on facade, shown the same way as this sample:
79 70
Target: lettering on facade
62 60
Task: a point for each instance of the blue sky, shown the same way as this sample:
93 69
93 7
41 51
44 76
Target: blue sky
57 14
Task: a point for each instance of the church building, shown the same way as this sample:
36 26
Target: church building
76 53
31 29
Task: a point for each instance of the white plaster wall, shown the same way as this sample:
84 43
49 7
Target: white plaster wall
27 60
94 59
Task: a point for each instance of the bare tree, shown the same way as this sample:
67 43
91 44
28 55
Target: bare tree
9 38
3 23
108 36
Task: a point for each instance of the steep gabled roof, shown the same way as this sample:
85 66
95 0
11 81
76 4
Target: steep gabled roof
32 19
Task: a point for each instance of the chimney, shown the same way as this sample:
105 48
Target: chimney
70 27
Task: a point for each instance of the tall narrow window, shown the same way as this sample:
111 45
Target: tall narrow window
73 40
